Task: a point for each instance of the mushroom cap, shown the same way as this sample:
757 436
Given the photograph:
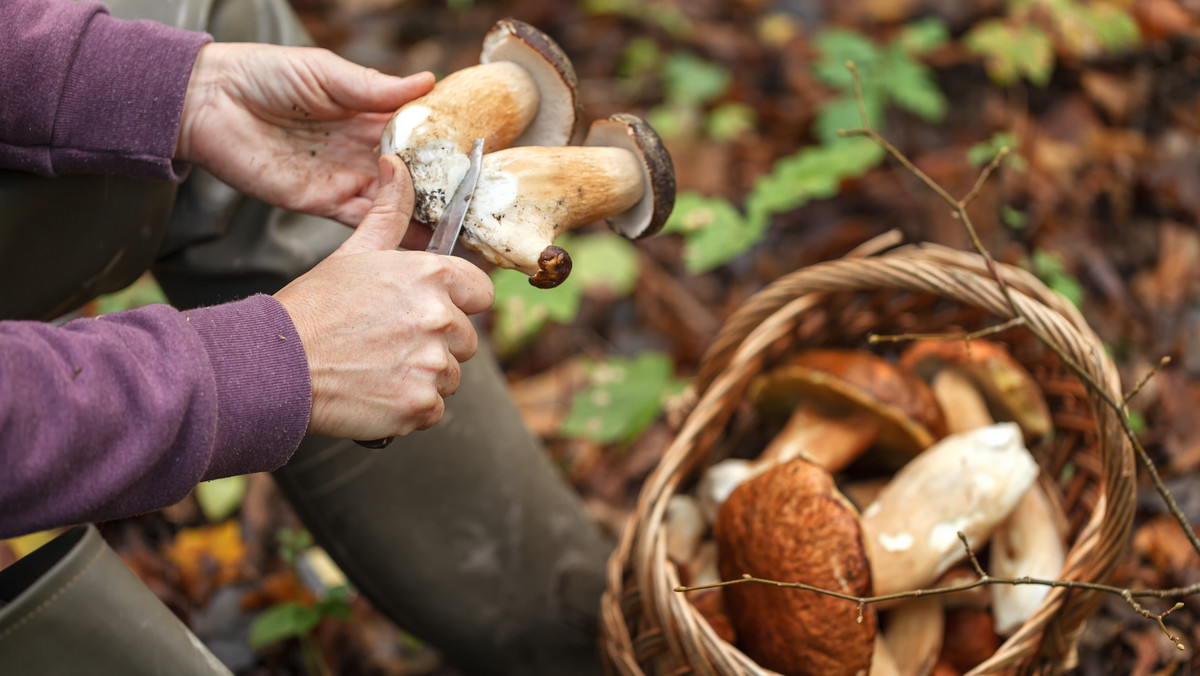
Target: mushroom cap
791 524
858 380
650 213
559 105
1010 390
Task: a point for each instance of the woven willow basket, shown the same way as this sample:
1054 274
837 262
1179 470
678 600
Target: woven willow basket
647 628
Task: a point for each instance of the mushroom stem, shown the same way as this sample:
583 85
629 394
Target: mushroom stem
528 196
831 441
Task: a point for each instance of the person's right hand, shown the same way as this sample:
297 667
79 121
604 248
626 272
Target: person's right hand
384 330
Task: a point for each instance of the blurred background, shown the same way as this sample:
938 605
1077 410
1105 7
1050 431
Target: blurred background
1098 102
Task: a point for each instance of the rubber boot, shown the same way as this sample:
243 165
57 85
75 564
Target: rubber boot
464 534
73 607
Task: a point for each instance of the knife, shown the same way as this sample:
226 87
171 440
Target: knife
445 234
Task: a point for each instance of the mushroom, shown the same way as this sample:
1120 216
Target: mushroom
791 524
913 633
960 401
1028 543
684 527
1010 391
840 402
528 196
966 483
523 92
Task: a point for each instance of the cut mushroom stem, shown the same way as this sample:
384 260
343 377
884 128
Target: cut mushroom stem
913 634
1028 543
966 483
527 197
523 92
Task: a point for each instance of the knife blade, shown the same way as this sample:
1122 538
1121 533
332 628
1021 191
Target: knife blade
445 235
449 226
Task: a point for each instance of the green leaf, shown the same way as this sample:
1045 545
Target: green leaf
922 36
640 57
601 260
1013 52
714 231
837 46
281 622
913 87
145 291
1137 422
521 310
692 81
1013 219
985 151
336 603
1050 269
844 113
728 121
623 397
220 498
673 121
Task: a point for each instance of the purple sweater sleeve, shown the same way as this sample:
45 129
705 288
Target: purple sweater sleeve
125 413
83 92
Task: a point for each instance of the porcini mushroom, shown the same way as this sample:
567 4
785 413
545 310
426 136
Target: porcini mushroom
840 402
528 196
1028 543
966 483
913 633
1010 391
523 92
791 524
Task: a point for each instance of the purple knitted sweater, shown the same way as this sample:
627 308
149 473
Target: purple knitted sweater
125 413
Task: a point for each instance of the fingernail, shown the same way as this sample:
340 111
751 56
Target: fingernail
386 172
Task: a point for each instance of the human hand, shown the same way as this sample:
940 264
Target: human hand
384 330
295 127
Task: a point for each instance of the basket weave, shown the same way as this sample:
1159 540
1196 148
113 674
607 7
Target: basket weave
647 628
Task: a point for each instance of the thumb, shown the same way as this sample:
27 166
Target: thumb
384 226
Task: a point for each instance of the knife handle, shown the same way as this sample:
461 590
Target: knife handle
376 443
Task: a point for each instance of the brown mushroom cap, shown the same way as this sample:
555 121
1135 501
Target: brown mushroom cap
1010 391
658 173
791 524
858 380
559 106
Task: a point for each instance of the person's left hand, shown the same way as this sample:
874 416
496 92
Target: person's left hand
295 127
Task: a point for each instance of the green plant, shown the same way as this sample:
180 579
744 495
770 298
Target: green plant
1022 43
715 231
1050 269
622 398
220 498
603 262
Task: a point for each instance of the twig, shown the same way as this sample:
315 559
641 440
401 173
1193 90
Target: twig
959 207
1145 379
983 579
876 338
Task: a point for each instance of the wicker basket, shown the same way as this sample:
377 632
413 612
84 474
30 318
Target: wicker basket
647 628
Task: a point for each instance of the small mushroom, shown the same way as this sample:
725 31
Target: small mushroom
528 196
1010 391
841 402
913 632
684 527
966 483
960 401
523 92
1028 543
791 524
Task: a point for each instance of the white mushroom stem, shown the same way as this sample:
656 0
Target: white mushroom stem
966 483
1027 543
433 134
883 662
913 634
684 528
528 196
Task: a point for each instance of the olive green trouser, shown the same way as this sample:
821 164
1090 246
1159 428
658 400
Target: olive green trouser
465 535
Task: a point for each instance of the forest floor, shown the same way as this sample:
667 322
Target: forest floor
1101 199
